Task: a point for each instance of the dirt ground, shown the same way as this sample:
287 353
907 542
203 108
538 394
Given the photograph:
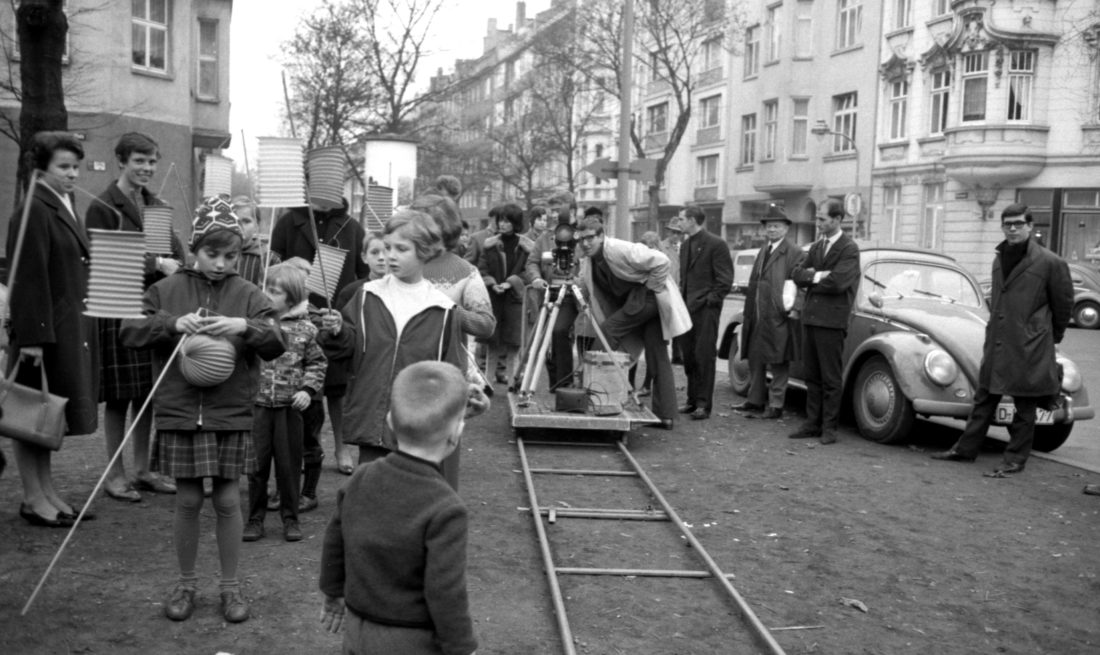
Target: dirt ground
944 560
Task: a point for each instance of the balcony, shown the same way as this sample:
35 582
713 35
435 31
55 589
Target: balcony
990 155
706 193
712 76
708 135
656 141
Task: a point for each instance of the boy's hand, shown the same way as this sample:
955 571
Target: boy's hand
189 323
332 614
332 321
477 403
223 326
300 400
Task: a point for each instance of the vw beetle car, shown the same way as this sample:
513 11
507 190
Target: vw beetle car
913 349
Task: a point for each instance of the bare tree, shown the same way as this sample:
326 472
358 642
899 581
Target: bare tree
41 26
525 157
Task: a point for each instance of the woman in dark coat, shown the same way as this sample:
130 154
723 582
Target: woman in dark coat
47 316
502 263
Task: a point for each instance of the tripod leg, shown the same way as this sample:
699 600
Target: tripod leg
547 337
531 347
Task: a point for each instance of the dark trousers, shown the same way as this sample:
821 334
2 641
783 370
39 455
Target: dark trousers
760 391
646 319
276 435
699 348
822 359
1021 431
560 365
313 419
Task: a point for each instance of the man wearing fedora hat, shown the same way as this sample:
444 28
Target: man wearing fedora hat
830 276
670 245
706 274
767 333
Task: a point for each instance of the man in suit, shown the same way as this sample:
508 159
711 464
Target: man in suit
1030 310
767 333
830 276
706 274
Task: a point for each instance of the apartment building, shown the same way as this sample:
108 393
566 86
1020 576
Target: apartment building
154 66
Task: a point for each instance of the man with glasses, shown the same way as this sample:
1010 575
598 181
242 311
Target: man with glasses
636 304
1030 310
830 276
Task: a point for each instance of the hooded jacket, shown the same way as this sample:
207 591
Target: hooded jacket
300 368
178 404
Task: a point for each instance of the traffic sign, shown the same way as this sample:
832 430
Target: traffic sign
853 204
643 170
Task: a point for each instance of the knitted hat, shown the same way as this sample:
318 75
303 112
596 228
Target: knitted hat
213 214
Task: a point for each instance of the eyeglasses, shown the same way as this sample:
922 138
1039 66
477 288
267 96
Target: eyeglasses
1013 225
588 238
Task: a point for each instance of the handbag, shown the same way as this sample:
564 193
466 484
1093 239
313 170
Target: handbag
33 416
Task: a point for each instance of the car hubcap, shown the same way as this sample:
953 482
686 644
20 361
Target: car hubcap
1089 315
878 398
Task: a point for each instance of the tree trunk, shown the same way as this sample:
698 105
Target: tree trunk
42 27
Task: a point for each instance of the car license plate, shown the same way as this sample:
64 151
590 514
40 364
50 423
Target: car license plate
1005 413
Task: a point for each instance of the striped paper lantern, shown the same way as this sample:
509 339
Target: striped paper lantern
282 178
117 274
379 207
332 258
219 176
326 177
157 224
207 361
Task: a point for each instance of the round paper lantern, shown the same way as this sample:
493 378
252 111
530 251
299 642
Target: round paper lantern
219 176
207 361
282 177
326 176
117 274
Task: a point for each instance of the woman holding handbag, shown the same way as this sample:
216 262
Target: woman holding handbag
49 332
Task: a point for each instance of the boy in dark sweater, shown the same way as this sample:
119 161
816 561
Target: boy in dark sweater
395 550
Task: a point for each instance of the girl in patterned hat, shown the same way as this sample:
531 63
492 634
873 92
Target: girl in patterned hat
204 431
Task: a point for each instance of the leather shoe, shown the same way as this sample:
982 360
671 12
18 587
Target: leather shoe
180 604
771 414
805 432
665 424
34 518
234 606
291 530
71 516
155 483
1005 470
686 409
700 414
952 456
253 531
307 503
1091 489
828 437
747 407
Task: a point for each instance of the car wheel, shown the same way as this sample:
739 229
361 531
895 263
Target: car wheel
1050 437
883 413
738 368
1087 315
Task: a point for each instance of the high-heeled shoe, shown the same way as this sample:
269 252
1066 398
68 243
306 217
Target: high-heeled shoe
34 518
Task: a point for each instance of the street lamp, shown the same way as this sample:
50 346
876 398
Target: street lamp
820 129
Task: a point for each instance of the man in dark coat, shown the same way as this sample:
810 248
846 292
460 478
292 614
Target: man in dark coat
830 276
706 274
1031 307
767 333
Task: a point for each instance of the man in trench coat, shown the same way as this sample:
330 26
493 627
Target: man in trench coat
767 333
1031 307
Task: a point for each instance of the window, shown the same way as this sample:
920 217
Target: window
712 54
657 118
149 33
844 122
941 7
975 80
752 51
748 139
771 120
774 33
891 203
803 41
655 67
903 10
800 126
848 20
509 109
933 215
940 93
509 72
208 59
706 171
899 108
710 111
1021 72
599 150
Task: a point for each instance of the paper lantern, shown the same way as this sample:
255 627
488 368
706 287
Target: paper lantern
327 167
379 207
207 361
282 179
115 283
219 176
157 225
332 259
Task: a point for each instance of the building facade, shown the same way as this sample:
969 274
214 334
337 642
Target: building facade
153 66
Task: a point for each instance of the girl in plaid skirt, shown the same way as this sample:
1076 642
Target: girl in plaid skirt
203 422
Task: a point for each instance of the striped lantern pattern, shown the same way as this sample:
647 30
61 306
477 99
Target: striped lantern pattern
117 274
207 361
157 224
332 258
219 176
282 178
327 169
379 207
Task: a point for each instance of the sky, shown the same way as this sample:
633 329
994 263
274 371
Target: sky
260 27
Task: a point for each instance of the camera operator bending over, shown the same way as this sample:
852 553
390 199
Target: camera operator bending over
636 304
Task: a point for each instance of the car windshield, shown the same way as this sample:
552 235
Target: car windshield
921 280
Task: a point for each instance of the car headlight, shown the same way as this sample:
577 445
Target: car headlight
940 367
1071 376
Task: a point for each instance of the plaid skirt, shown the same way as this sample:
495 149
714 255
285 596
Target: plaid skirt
125 373
199 454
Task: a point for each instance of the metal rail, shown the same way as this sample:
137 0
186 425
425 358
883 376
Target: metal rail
759 631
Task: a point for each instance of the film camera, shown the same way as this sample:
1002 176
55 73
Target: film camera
563 256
